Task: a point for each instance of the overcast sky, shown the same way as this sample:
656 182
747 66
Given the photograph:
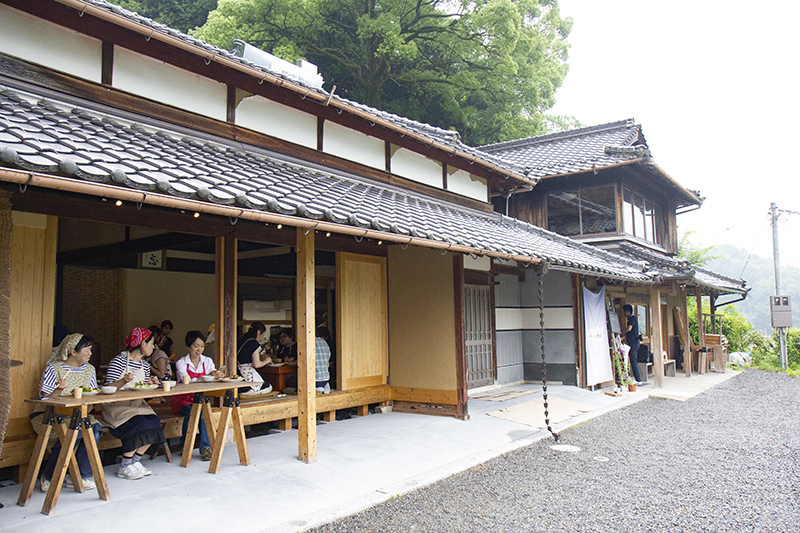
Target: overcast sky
714 85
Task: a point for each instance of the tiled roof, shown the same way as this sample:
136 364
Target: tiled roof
98 144
575 150
669 267
448 138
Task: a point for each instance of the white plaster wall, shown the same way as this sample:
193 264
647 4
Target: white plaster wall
50 45
278 120
353 145
171 85
466 184
480 263
528 318
416 167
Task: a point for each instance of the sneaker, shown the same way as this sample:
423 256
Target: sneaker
88 483
45 485
129 472
141 468
206 453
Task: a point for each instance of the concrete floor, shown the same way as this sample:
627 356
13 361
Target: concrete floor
360 462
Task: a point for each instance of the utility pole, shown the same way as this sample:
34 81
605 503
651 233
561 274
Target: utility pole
777 266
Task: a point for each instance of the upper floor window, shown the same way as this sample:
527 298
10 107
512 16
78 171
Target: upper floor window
639 215
583 211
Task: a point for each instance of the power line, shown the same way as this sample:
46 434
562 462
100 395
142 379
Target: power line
741 276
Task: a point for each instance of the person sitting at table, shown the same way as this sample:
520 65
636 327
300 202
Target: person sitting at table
163 341
248 358
287 351
67 369
195 365
322 359
133 422
160 365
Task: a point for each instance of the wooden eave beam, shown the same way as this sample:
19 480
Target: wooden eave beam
175 241
59 13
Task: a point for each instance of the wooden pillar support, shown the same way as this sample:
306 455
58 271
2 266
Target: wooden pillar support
687 341
656 325
306 373
225 328
461 363
701 333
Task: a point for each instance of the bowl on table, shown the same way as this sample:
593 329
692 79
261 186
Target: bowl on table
208 379
108 389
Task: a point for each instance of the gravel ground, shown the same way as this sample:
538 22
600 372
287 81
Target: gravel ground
726 460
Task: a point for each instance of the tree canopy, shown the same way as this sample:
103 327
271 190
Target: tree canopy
486 68
178 14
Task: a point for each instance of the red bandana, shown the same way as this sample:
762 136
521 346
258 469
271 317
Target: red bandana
137 337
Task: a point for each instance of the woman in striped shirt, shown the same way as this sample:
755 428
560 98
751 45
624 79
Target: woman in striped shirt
133 422
68 369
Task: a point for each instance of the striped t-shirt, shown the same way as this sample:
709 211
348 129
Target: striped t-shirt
121 364
51 377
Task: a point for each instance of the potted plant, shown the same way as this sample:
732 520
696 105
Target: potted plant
622 370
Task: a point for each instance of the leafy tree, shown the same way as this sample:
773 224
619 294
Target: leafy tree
695 254
179 14
487 68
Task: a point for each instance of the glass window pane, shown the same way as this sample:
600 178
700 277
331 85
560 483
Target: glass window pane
638 215
563 215
627 210
598 210
649 223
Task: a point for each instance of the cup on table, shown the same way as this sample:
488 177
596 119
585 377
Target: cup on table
77 392
185 379
167 385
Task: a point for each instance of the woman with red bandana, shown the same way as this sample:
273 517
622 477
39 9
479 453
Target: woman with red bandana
133 422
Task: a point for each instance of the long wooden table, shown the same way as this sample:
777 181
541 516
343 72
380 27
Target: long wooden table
78 412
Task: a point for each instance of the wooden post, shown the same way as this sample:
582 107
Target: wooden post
461 363
655 336
687 357
701 334
225 329
306 372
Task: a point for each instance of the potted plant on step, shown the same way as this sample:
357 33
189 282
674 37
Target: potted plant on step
622 370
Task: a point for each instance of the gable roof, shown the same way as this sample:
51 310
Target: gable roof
66 143
447 141
589 149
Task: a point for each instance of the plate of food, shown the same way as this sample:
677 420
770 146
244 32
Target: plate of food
275 364
144 386
90 392
232 379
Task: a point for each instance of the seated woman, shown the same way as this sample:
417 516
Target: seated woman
195 365
69 368
133 422
248 358
160 365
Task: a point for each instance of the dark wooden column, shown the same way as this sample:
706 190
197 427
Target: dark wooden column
462 410
655 337
306 371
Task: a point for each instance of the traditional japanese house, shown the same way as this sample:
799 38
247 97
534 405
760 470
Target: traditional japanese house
600 186
145 175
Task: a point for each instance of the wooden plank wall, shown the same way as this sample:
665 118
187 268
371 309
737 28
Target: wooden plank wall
33 282
362 321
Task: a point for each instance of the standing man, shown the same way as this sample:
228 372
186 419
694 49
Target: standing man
632 340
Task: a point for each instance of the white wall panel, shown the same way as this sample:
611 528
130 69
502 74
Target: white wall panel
528 318
416 167
354 146
278 120
171 85
480 263
50 45
466 184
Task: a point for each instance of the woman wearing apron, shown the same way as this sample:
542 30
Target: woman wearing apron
195 365
133 422
249 358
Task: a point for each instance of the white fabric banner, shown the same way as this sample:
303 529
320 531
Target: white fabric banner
598 360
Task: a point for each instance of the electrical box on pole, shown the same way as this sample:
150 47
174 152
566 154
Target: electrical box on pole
781 310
